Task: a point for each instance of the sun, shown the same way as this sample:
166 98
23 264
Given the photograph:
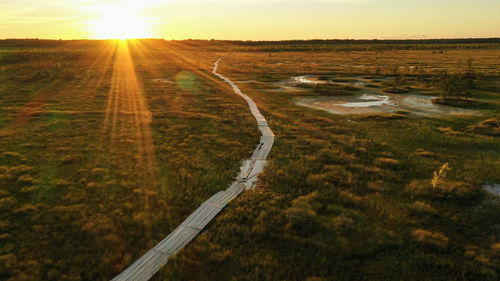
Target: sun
120 21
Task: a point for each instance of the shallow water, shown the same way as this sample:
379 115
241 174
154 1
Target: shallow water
412 104
372 100
493 188
307 79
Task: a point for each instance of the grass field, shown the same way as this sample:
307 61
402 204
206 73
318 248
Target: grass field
106 146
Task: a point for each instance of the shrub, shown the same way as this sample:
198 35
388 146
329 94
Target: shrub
446 189
424 153
351 198
458 85
431 238
377 186
26 209
301 216
422 208
495 248
395 90
342 223
386 162
70 159
488 127
11 157
26 180
334 89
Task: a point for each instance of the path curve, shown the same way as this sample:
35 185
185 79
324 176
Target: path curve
150 263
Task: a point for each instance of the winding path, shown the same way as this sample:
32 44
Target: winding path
150 263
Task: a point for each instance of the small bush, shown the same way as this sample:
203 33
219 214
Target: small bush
98 172
488 127
334 89
431 238
386 162
422 208
446 189
395 90
26 209
26 180
495 248
424 153
457 102
70 159
342 223
377 186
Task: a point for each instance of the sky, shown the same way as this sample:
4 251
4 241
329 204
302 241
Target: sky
249 19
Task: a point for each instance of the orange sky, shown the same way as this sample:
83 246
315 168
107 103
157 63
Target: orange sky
249 19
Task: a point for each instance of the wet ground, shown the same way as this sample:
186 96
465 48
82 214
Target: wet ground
492 188
369 100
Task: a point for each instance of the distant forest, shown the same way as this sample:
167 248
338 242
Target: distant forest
283 46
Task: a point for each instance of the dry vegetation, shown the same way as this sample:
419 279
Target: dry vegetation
77 196
343 197
351 197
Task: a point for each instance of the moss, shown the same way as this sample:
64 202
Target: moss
458 102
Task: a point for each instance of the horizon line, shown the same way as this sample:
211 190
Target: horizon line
260 40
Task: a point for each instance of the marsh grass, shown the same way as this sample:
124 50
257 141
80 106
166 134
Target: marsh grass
344 200
342 197
440 174
73 205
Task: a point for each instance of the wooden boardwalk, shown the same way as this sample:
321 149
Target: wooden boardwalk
150 263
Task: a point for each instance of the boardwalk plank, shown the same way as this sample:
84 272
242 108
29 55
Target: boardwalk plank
158 261
138 266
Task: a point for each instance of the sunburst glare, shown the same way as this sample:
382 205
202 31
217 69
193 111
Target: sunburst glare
121 20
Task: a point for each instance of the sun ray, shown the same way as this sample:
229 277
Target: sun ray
126 129
45 93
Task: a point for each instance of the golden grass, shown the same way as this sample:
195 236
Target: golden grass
341 196
423 208
488 127
431 238
386 162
